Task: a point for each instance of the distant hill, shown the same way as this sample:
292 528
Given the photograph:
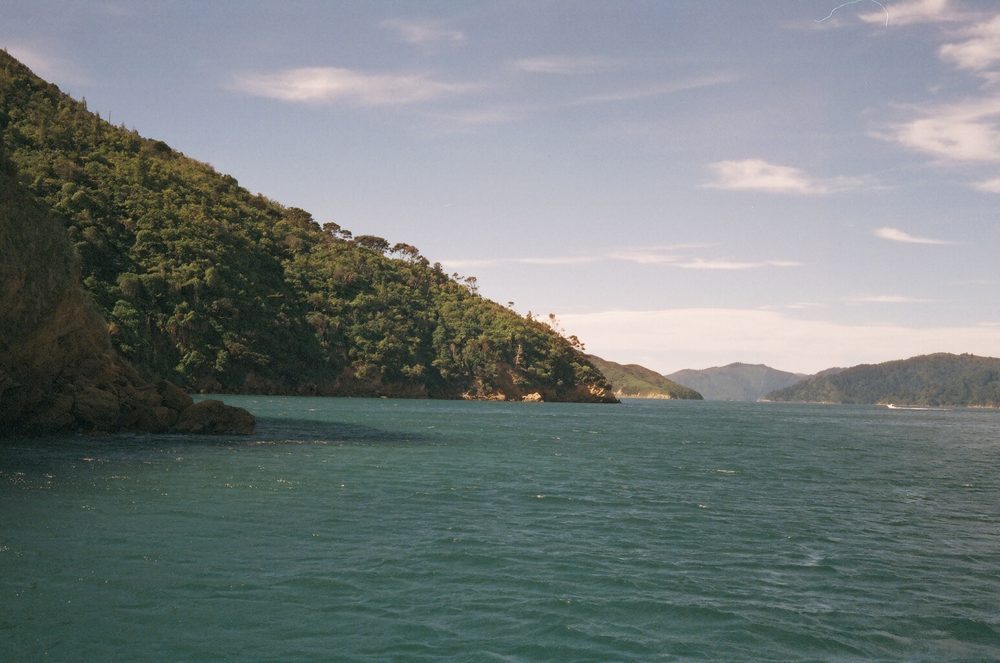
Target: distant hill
927 380
634 381
735 382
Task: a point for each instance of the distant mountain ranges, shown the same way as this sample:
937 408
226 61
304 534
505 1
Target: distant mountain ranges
736 382
927 380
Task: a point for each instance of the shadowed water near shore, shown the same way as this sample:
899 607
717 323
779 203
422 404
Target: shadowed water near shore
370 530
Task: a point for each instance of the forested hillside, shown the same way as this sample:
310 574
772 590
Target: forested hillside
635 381
928 380
58 370
219 289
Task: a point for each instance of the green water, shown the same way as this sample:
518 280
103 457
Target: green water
379 530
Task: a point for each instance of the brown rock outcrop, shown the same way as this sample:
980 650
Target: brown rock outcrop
58 371
212 416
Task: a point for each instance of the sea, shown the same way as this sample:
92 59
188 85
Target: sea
409 530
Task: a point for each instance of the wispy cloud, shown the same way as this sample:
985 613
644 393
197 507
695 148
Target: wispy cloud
459 120
672 339
897 235
888 299
989 186
794 306
965 131
48 65
980 50
466 263
909 12
337 85
655 90
565 65
654 255
729 265
671 256
420 32
762 176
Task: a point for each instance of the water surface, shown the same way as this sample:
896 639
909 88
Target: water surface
374 530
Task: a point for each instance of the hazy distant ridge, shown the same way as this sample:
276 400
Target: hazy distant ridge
735 382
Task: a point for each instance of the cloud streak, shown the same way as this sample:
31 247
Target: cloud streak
989 186
897 235
654 90
888 299
338 85
47 65
667 256
911 12
423 32
565 65
765 177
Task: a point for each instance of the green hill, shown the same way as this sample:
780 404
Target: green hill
735 382
634 381
218 289
927 380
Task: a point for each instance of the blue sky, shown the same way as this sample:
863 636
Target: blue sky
801 183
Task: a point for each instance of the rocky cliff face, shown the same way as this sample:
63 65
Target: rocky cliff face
58 370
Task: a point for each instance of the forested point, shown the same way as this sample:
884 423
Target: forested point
928 380
635 381
218 289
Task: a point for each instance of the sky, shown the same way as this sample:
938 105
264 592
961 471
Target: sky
801 183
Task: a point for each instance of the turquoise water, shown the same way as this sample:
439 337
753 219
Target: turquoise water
379 530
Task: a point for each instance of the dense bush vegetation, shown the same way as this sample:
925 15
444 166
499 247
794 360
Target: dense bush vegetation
928 380
215 288
635 381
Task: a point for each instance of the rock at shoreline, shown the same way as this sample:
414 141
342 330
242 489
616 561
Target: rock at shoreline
215 417
58 370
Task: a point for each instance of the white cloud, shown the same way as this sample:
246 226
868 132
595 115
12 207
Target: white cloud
333 84
909 12
889 299
423 32
989 186
565 65
669 340
980 51
897 235
760 175
964 131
